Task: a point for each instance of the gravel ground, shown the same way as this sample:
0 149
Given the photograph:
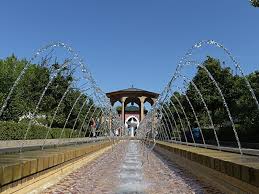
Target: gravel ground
127 169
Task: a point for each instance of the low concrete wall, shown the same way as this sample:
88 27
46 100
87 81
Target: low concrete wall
229 172
18 168
48 142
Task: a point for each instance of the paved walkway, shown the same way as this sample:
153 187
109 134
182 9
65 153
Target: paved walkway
128 169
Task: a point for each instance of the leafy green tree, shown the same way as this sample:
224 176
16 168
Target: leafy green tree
237 95
254 3
27 93
207 87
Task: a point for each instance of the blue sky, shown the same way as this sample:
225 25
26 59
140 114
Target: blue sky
127 42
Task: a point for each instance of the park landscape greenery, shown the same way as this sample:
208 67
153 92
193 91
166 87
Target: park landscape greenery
237 95
27 93
15 118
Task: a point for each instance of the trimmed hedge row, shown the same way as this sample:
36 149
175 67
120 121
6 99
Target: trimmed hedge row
16 131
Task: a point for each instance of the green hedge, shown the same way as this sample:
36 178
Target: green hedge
16 131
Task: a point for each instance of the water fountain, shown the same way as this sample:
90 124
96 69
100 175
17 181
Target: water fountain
90 118
131 177
95 103
171 106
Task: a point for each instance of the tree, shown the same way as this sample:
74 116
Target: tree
237 95
254 3
27 93
211 95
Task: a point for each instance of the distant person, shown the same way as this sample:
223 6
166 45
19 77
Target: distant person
93 127
196 132
97 128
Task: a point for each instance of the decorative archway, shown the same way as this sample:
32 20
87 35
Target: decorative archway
132 124
132 119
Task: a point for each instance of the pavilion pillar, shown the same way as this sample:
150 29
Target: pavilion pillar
123 109
142 108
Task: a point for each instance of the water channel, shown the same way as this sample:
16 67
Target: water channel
128 169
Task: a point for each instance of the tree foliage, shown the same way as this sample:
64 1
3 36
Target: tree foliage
27 93
254 3
237 95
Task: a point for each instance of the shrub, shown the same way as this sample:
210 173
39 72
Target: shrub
16 131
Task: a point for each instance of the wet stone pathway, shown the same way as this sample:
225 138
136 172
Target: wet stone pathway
127 169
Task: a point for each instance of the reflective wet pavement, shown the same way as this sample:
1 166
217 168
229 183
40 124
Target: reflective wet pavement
131 171
128 169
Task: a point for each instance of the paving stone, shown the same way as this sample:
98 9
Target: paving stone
114 171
